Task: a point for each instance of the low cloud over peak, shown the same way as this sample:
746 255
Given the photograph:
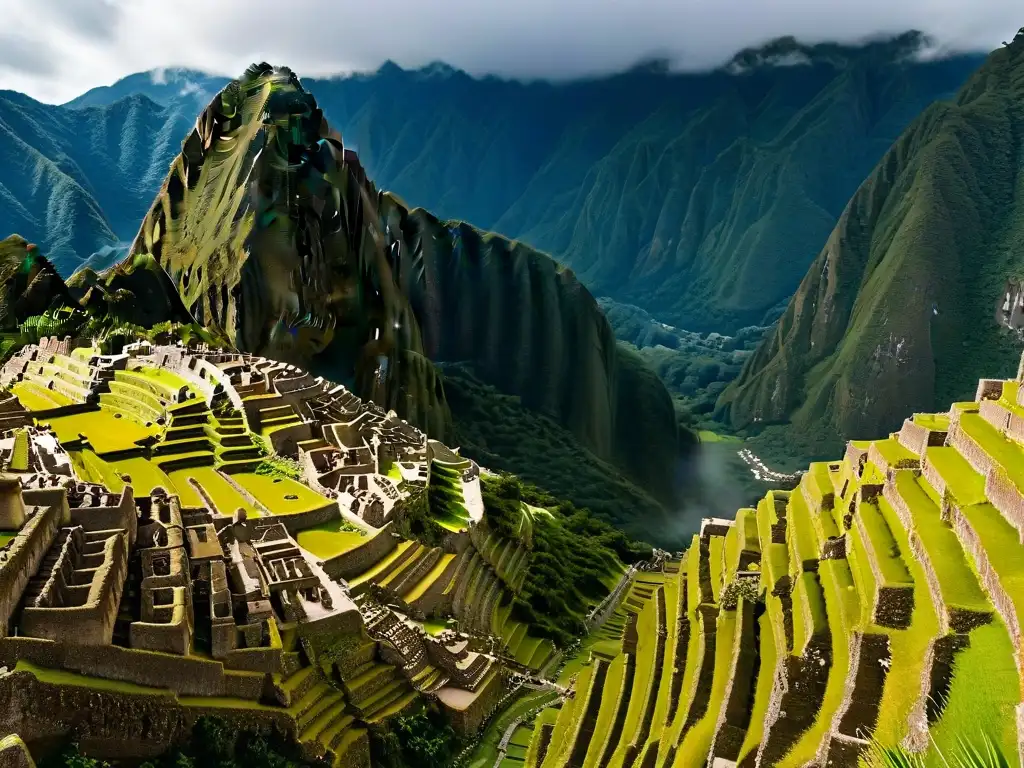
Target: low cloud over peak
79 44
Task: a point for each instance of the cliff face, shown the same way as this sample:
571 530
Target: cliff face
910 285
268 232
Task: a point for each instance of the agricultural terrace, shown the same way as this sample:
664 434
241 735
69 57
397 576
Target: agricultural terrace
896 558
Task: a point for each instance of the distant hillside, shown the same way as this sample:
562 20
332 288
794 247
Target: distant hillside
903 308
701 198
77 180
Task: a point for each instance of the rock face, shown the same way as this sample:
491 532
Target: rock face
897 312
268 232
29 284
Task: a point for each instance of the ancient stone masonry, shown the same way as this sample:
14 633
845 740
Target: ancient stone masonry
176 560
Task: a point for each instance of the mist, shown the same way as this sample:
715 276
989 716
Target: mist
69 46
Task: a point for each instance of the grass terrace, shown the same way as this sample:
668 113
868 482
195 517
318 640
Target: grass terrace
768 654
958 583
801 533
966 485
894 452
697 742
1006 453
937 422
809 614
145 475
36 397
909 647
985 690
106 432
224 495
92 469
6 537
444 493
1001 543
891 566
282 495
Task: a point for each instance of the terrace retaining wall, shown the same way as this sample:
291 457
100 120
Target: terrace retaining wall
360 559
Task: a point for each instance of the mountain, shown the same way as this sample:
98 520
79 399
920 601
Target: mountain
268 233
76 181
170 85
916 291
700 197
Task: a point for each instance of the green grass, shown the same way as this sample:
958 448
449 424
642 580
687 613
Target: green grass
104 431
801 533
890 560
908 647
958 583
275 493
894 452
1001 542
809 613
610 703
224 495
984 692
716 548
966 485
37 398
1005 453
937 422
92 469
765 681
697 743
7 537
60 677
145 476
331 539
707 436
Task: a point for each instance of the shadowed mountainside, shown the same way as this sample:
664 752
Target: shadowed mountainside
267 232
899 311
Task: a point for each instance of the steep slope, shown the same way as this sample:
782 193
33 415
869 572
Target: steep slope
700 197
77 180
903 308
268 232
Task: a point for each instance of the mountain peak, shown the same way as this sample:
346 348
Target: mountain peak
789 51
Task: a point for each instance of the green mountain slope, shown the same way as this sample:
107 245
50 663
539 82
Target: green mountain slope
268 233
78 180
700 197
899 311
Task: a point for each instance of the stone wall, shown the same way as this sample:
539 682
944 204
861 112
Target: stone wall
21 559
359 559
91 623
1006 497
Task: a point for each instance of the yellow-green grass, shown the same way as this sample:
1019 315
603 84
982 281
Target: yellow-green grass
894 452
585 691
145 475
966 485
763 691
6 537
1005 453
697 743
567 718
274 492
434 626
716 548
707 436
888 555
984 693
809 614
62 677
863 576
818 481
1001 543
731 551
609 706
104 431
382 564
220 490
172 381
433 575
658 724
937 422
330 539
958 583
36 397
92 469
394 472
801 533
774 557
908 648
647 630
872 475
547 716
843 612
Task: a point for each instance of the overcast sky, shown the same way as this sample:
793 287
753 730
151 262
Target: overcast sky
57 49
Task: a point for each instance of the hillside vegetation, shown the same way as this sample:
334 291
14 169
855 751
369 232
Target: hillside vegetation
901 309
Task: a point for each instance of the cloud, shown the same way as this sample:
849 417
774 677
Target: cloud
22 54
102 40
